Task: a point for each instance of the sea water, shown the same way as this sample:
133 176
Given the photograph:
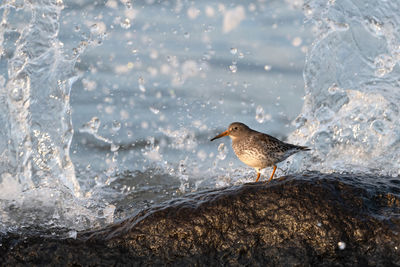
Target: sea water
108 106
350 116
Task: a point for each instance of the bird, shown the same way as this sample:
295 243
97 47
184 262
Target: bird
258 150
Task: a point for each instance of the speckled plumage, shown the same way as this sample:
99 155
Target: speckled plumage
256 149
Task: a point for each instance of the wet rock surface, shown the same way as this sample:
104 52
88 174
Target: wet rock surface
312 219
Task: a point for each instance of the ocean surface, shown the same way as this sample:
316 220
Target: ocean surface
108 107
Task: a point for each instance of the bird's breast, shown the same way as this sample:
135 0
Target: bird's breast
251 154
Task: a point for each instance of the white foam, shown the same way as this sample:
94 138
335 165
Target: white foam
350 115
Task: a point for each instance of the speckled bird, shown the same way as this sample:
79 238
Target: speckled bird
258 150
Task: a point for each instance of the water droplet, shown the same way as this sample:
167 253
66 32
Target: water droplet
233 68
154 110
94 28
72 234
341 245
186 35
125 24
193 12
222 151
334 89
297 41
144 124
128 4
234 51
267 67
181 167
116 125
141 84
260 117
114 147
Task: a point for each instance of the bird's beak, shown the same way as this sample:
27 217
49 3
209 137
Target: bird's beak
221 135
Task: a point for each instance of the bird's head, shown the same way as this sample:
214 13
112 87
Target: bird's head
235 130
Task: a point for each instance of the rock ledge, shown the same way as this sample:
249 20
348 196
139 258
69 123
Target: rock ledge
310 219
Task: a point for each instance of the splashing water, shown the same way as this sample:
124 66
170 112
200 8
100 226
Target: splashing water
35 104
37 175
149 97
350 117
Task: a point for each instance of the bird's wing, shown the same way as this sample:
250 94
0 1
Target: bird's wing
268 140
277 146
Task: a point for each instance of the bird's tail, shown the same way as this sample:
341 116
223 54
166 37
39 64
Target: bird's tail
303 148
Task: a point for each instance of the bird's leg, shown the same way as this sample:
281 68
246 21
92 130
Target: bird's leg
258 176
272 175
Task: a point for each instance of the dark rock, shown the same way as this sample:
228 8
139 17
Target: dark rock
297 221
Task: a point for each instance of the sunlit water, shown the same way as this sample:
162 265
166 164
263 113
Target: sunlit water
107 107
351 111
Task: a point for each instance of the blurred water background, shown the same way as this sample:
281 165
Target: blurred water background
108 106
